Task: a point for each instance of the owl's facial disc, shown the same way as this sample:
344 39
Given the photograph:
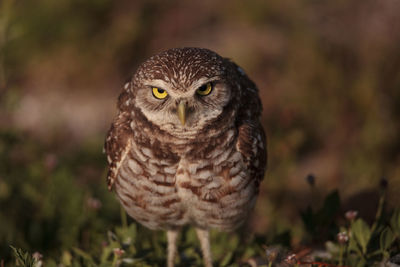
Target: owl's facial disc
183 111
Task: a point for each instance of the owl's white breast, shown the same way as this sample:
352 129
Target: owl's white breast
216 192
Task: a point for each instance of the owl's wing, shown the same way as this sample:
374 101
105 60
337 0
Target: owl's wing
252 142
117 143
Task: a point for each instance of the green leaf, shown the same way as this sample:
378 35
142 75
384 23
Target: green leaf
51 263
330 207
107 251
66 258
395 222
361 263
308 218
362 233
127 235
332 247
353 246
89 260
386 239
227 259
23 258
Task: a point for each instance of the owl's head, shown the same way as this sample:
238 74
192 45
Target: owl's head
183 90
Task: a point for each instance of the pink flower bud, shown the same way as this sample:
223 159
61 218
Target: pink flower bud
351 215
37 256
342 238
291 259
119 252
93 203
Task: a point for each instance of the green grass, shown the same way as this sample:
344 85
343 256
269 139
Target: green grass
58 207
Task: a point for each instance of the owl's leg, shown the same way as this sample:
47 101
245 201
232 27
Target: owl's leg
172 236
204 239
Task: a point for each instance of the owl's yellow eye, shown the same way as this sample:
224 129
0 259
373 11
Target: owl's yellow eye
205 89
159 93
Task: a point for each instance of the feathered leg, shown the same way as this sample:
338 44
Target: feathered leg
172 236
204 239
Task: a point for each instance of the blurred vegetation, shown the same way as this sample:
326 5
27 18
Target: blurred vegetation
329 78
55 208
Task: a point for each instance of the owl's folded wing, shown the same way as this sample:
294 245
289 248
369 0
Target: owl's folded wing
117 143
251 144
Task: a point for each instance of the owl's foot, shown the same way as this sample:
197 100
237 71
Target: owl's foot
204 239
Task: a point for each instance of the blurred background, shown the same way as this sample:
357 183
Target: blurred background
328 74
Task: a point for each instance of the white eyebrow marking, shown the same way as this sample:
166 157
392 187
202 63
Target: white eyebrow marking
157 83
201 81
178 93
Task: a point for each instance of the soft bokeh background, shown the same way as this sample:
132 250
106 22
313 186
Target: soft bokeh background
328 74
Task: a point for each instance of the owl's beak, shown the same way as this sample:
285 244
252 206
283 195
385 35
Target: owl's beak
182 112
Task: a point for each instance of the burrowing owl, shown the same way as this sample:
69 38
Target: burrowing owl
187 146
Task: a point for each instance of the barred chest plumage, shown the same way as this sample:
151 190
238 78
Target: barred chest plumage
202 186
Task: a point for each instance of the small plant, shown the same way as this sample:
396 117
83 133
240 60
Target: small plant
62 211
357 243
352 242
25 259
360 244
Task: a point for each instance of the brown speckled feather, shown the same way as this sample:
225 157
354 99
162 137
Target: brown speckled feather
117 139
206 172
